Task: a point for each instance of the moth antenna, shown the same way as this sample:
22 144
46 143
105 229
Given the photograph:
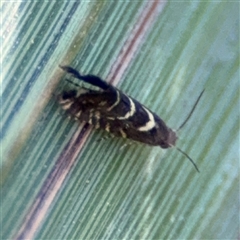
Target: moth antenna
193 108
194 164
91 79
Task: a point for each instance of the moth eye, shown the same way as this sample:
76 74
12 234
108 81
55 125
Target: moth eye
69 94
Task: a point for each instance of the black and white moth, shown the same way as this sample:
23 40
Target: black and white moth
110 109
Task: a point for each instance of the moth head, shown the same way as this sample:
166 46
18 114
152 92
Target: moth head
171 139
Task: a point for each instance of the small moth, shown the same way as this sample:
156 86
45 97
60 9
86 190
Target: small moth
110 109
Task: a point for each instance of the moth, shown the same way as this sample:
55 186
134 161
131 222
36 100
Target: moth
111 109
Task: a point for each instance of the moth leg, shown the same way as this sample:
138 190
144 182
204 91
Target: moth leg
108 136
126 145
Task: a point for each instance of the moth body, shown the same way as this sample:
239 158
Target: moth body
112 110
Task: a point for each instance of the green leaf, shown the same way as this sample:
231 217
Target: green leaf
58 181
